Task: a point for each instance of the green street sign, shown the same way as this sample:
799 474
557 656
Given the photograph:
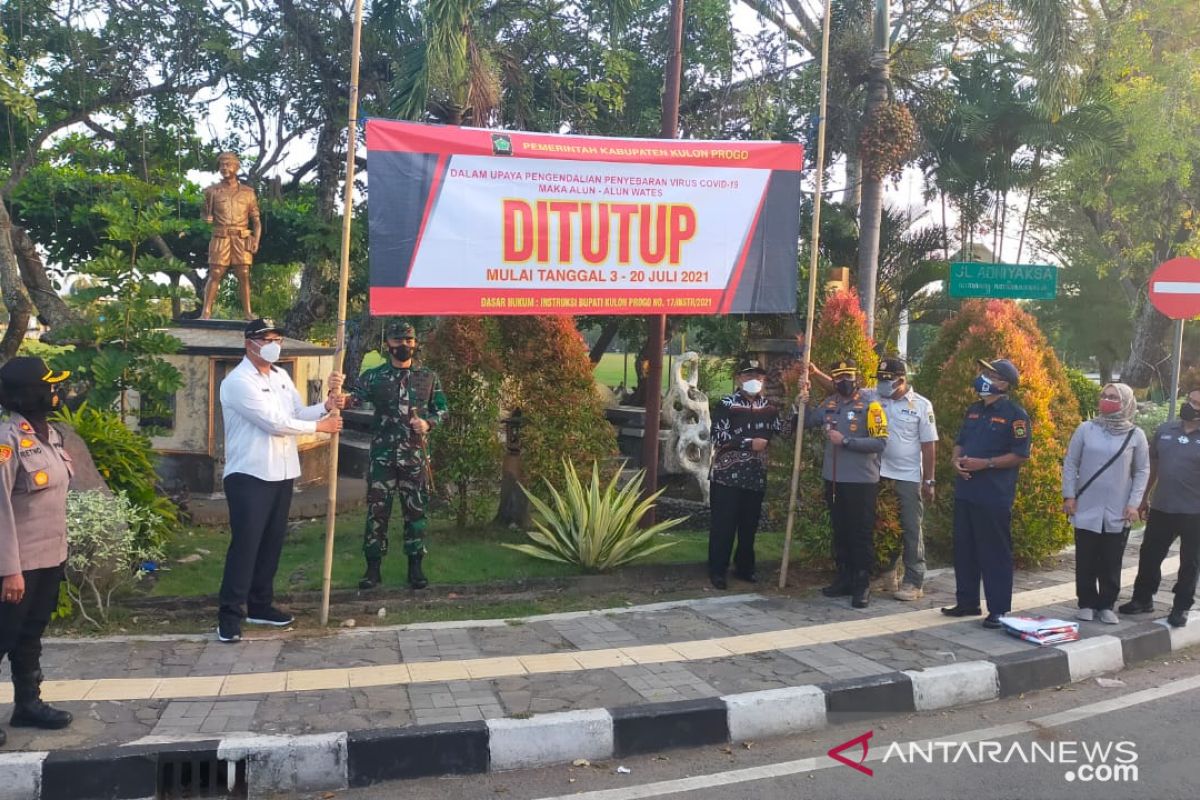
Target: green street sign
1005 281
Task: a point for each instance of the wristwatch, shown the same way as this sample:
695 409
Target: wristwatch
991 464
931 482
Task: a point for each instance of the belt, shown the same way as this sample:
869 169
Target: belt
240 232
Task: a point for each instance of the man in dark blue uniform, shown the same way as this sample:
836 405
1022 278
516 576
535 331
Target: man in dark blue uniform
989 451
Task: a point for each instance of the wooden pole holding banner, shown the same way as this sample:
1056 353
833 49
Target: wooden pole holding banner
657 324
812 290
339 353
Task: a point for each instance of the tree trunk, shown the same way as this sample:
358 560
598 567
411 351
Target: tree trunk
16 298
1149 356
870 214
1104 366
608 332
312 302
852 194
51 309
1034 176
362 334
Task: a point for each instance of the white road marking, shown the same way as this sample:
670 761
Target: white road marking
1177 287
786 768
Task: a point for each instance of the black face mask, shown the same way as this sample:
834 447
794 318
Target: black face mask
32 403
846 387
401 352
1188 413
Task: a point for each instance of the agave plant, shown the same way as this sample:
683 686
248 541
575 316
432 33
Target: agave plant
595 528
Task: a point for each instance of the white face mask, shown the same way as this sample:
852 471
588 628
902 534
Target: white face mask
752 387
269 352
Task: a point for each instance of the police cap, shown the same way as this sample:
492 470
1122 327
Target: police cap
1004 368
747 365
28 371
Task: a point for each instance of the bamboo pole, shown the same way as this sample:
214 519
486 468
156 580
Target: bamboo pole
812 291
339 353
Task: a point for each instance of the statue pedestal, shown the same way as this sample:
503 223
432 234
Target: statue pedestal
210 324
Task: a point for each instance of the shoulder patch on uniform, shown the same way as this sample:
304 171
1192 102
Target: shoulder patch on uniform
26 427
27 443
1020 428
5 453
930 417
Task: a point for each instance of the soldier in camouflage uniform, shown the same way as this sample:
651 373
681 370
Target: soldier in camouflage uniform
408 401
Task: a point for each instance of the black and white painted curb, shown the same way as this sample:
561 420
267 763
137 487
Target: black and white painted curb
261 765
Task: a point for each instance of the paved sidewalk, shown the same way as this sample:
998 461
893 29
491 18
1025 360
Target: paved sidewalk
151 689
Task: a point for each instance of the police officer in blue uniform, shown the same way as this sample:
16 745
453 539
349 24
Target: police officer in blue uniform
988 453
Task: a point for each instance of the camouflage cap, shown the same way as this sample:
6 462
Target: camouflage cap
397 329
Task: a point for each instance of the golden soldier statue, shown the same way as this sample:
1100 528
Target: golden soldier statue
232 208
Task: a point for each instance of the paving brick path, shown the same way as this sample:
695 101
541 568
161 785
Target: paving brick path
163 688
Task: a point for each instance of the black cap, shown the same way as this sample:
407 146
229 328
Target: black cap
260 327
400 330
890 368
1005 369
750 365
26 371
845 366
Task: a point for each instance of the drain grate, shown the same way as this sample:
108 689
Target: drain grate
188 775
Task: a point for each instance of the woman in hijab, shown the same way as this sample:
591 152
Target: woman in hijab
1104 477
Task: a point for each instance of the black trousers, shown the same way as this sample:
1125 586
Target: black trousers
1161 530
734 514
983 549
852 516
22 625
258 515
1098 567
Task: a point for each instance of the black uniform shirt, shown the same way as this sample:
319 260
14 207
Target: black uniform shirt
990 432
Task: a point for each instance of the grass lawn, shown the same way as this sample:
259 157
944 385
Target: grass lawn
455 557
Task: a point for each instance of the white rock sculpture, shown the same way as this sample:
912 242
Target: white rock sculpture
685 410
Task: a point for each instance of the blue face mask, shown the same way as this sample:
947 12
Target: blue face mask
985 388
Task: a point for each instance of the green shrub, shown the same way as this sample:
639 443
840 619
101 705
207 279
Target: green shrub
106 552
466 448
1086 391
595 528
1149 416
126 461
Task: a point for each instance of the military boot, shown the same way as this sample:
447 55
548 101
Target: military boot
3 737
861 594
840 586
416 578
28 709
372 578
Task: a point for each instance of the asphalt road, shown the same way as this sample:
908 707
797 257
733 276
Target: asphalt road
1031 747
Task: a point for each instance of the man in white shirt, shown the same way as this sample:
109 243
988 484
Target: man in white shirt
908 462
263 415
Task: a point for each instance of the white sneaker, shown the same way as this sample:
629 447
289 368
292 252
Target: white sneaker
1109 617
908 594
1086 614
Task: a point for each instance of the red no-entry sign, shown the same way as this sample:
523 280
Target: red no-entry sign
1175 288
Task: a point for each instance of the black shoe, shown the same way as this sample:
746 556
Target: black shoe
861 598
270 616
1135 607
416 578
1177 618
3 737
36 714
839 588
992 621
228 632
372 578
748 577
962 611
718 581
